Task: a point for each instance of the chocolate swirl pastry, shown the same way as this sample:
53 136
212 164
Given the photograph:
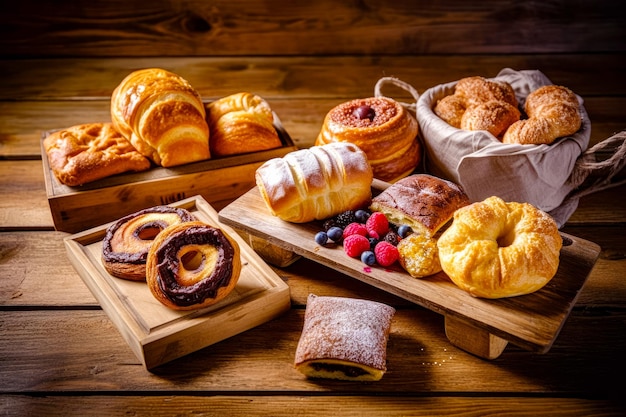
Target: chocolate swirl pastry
192 265
126 243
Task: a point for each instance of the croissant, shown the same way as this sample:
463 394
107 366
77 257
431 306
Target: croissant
162 115
553 112
241 123
316 183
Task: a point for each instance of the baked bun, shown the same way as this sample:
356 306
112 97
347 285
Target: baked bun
89 152
344 338
422 201
480 104
553 111
241 123
162 116
382 128
127 241
316 183
192 265
495 249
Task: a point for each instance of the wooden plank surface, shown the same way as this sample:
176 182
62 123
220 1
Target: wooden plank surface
239 27
532 321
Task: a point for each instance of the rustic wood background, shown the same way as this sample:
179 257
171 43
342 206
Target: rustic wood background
133 28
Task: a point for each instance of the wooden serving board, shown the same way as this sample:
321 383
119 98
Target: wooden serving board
480 326
158 334
217 179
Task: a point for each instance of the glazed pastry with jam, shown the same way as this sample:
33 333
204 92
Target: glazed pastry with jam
380 127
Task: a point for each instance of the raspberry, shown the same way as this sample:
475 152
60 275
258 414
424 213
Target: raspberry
377 225
355 245
386 253
354 229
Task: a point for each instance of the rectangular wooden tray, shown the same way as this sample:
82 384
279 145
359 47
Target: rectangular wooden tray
158 334
218 180
480 326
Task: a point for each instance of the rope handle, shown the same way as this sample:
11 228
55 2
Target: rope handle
591 174
398 83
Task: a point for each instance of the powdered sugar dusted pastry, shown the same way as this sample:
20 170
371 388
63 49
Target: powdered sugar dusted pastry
344 338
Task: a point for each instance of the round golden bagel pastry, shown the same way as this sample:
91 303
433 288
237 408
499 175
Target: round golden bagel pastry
497 249
380 127
192 265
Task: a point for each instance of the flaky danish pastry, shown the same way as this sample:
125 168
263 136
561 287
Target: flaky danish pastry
382 128
496 249
88 152
241 123
163 117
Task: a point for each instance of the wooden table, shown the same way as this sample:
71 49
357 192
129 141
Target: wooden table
60 353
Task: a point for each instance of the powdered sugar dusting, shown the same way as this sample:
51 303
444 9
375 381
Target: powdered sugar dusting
345 329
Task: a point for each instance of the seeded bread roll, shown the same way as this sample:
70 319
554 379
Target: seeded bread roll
344 338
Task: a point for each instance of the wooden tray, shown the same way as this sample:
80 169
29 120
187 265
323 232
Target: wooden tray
218 180
158 334
480 326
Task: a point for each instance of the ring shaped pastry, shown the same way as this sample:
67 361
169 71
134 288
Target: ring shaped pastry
495 249
380 127
127 242
192 265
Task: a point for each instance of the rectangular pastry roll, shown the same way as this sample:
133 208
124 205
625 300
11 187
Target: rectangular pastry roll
344 338
89 152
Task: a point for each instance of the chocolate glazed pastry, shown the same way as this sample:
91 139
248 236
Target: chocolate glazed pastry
192 265
127 242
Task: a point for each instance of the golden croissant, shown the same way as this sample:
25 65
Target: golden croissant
241 123
162 115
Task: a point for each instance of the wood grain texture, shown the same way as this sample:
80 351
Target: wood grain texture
138 28
316 406
85 354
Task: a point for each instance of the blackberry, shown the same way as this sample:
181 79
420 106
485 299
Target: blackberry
345 218
392 237
328 224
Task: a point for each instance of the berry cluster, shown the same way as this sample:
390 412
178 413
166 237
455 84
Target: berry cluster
365 235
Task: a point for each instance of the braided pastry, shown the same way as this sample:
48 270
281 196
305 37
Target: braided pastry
553 112
480 104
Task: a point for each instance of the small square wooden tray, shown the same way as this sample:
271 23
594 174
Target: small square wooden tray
158 334
218 180
480 326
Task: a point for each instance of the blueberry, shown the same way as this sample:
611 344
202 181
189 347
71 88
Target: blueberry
321 238
335 233
368 257
362 216
404 230
373 242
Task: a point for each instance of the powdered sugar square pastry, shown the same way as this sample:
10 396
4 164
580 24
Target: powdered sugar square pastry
344 338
